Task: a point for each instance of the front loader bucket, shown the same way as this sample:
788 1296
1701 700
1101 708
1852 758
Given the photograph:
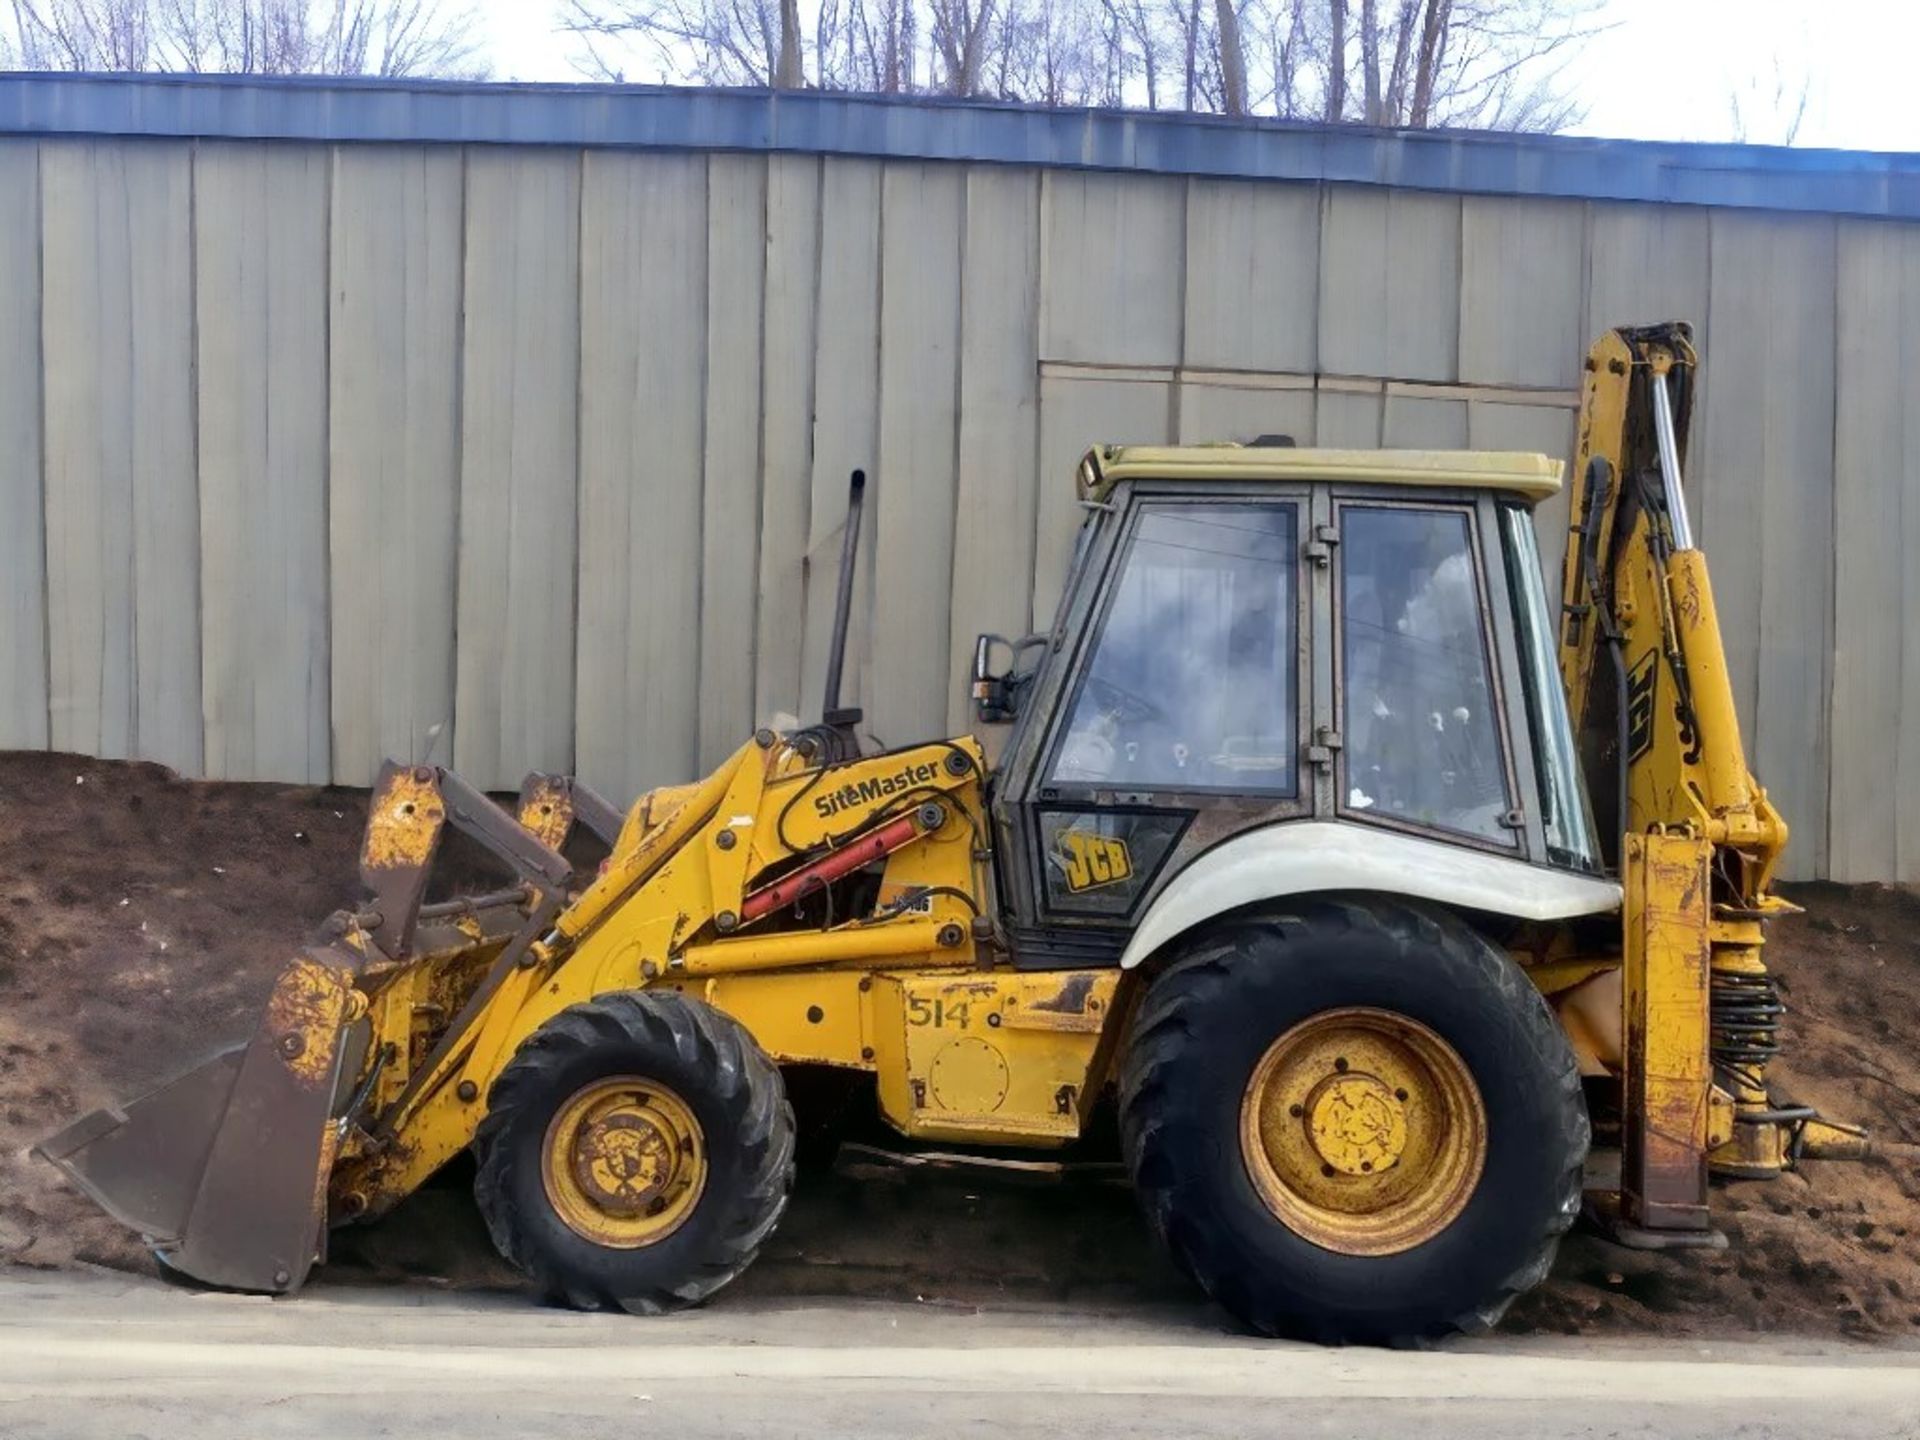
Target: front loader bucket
224 1169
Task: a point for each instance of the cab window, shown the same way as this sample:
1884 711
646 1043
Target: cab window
1422 733
1190 683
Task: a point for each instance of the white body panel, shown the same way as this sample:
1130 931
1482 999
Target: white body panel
1317 856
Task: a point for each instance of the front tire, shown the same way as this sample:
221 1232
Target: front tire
637 1151
1354 1120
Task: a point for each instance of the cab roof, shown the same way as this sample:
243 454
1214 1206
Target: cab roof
1529 475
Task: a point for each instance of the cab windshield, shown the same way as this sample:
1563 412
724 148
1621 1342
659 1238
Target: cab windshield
1191 684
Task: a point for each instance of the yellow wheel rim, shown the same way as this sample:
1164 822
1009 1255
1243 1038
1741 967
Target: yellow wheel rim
1363 1131
624 1162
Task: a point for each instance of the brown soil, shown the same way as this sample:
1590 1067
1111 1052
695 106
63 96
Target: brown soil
1836 1247
142 919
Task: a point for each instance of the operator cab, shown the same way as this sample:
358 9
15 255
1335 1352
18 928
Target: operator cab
1252 636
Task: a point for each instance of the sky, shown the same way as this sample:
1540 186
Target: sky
1659 69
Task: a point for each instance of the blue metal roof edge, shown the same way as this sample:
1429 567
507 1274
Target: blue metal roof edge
892 127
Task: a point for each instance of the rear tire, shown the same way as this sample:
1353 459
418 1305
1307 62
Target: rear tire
710 1102
1212 1024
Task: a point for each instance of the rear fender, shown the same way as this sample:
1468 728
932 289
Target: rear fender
1319 856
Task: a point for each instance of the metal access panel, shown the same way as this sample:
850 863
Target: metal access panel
992 1058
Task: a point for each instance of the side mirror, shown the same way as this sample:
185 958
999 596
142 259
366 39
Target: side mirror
996 695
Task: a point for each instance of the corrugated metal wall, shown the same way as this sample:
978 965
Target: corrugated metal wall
312 448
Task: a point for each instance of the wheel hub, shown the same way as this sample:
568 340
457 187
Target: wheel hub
1363 1131
624 1162
1355 1124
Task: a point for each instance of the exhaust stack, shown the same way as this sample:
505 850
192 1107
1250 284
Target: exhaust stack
830 711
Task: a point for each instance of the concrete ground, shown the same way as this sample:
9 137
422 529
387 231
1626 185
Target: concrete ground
85 1355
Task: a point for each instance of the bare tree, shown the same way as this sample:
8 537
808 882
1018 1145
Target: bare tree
1132 19
1233 58
1490 64
786 72
261 37
1336 110
1433 29
1778 97
961 33
1186 16
1285 30
1060 54
1370 111
1402 63
715 42
1493 64
84 34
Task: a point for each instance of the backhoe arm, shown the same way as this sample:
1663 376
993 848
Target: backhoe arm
1690 831
1641 653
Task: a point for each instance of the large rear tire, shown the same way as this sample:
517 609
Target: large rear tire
637 1151
1354 1121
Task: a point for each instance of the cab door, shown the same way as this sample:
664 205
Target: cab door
1171 716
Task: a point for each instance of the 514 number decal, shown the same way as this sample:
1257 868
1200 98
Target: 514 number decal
937 1012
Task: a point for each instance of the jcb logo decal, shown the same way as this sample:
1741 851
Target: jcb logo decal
1094 860
1640 686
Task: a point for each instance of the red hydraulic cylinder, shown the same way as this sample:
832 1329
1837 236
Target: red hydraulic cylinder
831 866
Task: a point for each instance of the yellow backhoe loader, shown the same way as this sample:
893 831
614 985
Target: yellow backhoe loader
1288 862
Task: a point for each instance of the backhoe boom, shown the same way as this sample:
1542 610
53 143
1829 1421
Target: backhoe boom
1693 834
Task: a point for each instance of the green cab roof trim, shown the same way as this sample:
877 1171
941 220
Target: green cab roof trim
1532 476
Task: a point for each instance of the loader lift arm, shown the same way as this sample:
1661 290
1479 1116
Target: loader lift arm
1691 832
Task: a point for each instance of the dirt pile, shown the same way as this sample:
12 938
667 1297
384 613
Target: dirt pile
142 920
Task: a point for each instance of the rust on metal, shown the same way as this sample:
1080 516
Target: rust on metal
546 810
1683 586
624 1162
1072 996
1668 1075
1075 1004
550 806
303 1017
404 818
226 1168
434 1067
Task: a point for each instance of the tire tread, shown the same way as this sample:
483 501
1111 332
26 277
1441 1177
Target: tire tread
745 1086
1163 1039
